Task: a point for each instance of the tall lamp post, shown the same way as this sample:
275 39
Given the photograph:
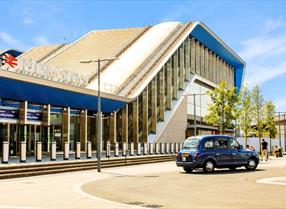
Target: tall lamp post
99 113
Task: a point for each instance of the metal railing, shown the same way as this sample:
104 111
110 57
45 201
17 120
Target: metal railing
151 60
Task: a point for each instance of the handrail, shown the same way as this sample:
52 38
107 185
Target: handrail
183 29
151 60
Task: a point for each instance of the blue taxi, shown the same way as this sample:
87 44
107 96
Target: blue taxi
215 151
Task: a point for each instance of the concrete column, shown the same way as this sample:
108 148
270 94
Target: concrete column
112 128
218 69
66 125
169 85
135 131
23 110
176 75
198 60
207 72
154 105
210 66
188 59
182 66
202 60
145 131
162 95
23 153
215 74
124 122
193 55
83 130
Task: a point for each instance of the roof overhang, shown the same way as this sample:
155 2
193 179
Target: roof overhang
202 33
26 88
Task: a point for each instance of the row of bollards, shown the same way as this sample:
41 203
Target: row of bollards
140 148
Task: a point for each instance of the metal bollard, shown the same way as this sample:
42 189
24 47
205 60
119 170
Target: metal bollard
172 147
167 148
5 152
145 148
77 150
124 149
116 149
23 152
53 151
38 151
88 150
66 150
151 148
138 149
162 151
156 148
131 148
108 149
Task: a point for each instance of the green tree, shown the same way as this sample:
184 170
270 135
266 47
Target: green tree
269 121
245 118
222 110
257 106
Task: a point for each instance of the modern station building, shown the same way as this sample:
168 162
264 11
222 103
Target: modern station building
148 92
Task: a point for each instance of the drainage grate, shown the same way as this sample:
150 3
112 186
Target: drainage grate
135 203
152 206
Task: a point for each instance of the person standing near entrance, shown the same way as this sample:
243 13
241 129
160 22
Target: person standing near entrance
264 151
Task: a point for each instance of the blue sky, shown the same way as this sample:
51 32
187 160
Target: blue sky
256 30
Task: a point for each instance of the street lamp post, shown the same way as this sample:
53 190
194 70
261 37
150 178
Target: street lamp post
99 113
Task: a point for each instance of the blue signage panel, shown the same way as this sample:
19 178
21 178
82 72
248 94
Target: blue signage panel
37 116
8 113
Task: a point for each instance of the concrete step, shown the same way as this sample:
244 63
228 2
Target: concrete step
53 168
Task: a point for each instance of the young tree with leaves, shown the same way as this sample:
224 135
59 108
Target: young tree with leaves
257 105
245 117
269 121
222 110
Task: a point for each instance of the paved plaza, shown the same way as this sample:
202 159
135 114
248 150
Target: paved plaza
155 185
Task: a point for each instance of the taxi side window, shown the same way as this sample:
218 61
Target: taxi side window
220 143
209 144
233 144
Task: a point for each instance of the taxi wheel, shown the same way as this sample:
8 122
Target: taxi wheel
209 166
251 165
188 170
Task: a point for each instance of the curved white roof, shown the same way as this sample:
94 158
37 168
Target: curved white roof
115 74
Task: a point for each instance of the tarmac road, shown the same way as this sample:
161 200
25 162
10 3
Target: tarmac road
176 189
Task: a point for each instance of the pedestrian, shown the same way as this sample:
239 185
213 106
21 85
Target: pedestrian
264 152
250 147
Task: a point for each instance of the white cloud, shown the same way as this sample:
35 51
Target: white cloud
258 74
261 51
27 21
41 40
280 104
11 42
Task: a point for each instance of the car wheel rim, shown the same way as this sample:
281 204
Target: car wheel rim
251 163
209 166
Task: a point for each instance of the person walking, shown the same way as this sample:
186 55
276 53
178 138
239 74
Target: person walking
264 151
